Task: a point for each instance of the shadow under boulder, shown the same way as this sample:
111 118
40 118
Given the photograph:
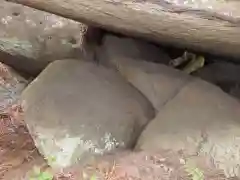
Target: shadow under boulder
223 74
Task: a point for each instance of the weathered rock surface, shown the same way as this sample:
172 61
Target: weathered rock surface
193 116
199 119
113 46
127 58
74 109
145 76
38 36
11 86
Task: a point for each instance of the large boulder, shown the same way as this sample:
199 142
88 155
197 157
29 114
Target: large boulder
38 36
74 109
128 56
145 77
193 116
200 119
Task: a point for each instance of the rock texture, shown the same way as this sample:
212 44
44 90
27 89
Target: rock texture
74 109
193 116
38 36
131 48
212 28
199 119
137 68
11 87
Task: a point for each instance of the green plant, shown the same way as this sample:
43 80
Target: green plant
41 175
93 177
194 172
51 159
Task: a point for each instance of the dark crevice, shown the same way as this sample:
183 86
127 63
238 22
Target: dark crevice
15 13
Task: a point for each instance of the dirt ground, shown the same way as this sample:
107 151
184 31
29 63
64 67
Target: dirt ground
17 151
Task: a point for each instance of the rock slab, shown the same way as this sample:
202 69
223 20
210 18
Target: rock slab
114 46
38 36
74 109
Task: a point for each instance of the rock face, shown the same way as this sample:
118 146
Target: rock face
38 36
74 109
193 116
113 46
142 74
199 119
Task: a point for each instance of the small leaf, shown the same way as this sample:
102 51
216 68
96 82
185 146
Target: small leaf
51 159
93 177
195 173
46 176
194 65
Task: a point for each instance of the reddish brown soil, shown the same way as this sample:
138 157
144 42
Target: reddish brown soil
161 165
17 151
